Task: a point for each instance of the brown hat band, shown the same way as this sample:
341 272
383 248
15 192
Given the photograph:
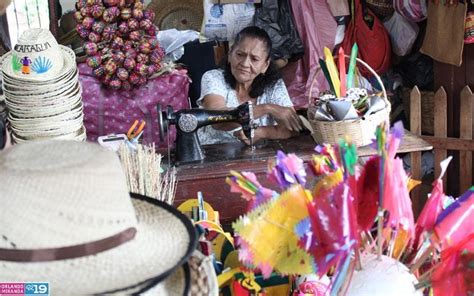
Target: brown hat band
39 255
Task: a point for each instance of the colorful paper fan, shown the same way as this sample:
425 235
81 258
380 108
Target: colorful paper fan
287 170
333 227
328 183
433 207
394 196
456 222
323 231
324 162
368 194
396 199
246 183
455 274
267 237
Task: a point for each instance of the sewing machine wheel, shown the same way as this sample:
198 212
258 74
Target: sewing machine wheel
163 121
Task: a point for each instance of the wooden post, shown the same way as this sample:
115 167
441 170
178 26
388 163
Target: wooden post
415 157
440 128
466 129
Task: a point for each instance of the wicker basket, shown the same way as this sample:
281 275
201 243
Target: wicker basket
383 9
361 131
180 15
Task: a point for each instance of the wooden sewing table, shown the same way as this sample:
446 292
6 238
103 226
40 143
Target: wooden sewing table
209 175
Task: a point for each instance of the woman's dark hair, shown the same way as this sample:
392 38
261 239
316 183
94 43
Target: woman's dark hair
262 81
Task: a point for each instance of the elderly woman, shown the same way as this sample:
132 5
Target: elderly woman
248 75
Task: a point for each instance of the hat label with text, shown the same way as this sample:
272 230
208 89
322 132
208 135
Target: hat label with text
24 289
31 48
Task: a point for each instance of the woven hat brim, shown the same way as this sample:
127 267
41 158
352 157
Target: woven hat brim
69 63
165 239
177 283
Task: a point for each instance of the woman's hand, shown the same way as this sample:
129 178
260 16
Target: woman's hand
241 136
275 132
257 136
286 116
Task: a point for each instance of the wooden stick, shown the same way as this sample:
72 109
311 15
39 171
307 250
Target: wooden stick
379 233
391 243
427 275
370 240
358 263
422 285
422 259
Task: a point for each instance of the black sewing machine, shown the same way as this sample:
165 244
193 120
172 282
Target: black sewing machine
188 121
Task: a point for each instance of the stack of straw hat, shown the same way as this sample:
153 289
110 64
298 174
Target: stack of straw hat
42 89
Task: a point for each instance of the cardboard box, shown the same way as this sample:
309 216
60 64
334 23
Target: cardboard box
235 1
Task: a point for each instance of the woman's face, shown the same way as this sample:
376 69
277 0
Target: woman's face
248 59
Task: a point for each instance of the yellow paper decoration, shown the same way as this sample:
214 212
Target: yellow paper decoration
401 242
269 232
328 182
412 183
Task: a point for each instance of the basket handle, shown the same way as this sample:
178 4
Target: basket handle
379 80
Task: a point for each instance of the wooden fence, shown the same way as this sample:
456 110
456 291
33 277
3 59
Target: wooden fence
440 141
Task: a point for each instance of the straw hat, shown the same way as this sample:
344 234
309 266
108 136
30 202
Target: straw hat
181 15
73 224
42 89
174 285
37 57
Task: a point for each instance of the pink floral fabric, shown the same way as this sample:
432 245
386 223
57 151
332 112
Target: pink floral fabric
109 111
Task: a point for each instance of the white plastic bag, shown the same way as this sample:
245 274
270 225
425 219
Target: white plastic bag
402 33
223 22
172 42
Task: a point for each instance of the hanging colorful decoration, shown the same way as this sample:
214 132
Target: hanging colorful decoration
352 228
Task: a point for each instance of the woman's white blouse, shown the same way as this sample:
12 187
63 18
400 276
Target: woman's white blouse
213 82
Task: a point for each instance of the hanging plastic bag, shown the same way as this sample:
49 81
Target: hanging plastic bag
368 32
276 18
221 22
173 41
414 10
402 32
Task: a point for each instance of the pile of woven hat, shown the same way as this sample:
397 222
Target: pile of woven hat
42 90
120 41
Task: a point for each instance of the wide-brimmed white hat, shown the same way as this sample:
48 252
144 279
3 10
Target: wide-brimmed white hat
37 57
67 219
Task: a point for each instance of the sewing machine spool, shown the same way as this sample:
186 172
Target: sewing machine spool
188 121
